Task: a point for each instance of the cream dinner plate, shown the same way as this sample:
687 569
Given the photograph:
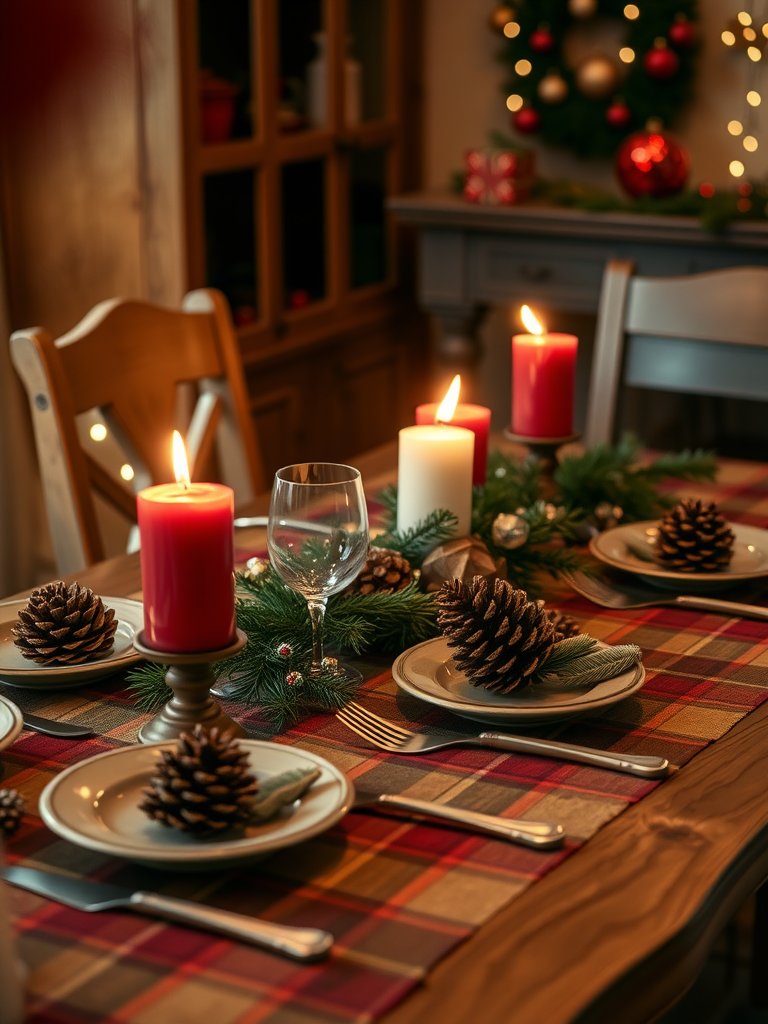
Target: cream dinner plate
428 672
10 722
629 547
16 670
95 804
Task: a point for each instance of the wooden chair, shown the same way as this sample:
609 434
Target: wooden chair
135 363
703 333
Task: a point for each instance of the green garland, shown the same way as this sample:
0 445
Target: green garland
272 669
579 122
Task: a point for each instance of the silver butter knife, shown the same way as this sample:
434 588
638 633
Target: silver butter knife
83 894
539 834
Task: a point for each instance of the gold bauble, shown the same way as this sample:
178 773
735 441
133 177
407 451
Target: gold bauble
582 8
500 16
553 88
597 77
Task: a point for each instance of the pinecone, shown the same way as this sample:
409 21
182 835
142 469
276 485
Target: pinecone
204 786
64 624
385 572
694 537
564 625
500 638
11 810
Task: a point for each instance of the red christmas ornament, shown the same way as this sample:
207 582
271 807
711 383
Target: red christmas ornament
618 115
527 120
660 61
542 40
299 298
682 33
652 164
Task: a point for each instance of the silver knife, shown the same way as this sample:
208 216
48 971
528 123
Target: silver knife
64 730
539 834
83 894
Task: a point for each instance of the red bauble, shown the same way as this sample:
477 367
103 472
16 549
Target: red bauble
542 40
661 62
527 120
652 164
682 33
618 115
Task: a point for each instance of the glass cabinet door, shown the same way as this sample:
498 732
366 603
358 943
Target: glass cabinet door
230 232
365 69
303 233
225 70
304 73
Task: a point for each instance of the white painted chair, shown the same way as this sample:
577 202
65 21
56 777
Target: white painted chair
701 333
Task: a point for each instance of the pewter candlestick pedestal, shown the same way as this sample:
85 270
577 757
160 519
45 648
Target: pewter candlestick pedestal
190 677
543 450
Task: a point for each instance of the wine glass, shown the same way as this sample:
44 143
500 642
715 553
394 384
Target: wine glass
317 537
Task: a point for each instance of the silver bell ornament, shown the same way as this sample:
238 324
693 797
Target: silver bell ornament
509 531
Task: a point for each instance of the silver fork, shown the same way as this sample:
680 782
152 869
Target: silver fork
634 594
394 738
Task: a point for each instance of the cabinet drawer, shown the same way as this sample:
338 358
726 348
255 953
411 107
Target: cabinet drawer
515 269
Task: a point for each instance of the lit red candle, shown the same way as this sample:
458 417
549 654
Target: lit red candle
543 374
476 418
186 562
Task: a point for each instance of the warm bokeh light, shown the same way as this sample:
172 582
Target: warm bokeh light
126 471
511 29
626 54
754 53
180 461
736 167
765 30
530 321
750 143
98 432
744 18
735 127
754 99
750 35
728 37
447 407
523 67
514 102
631 12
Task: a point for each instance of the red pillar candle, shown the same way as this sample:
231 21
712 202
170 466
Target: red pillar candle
187 560
543 374
476 418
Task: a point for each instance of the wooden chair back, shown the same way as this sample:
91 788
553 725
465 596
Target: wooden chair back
139 366
703 333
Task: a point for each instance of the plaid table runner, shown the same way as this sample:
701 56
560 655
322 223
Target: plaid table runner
397 894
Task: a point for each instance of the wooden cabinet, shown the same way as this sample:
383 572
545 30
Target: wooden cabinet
249 145
296 115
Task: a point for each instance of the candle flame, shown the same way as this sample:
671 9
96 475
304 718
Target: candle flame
180 463
447 407
531 322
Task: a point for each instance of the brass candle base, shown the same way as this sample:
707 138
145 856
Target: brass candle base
190 677
543 450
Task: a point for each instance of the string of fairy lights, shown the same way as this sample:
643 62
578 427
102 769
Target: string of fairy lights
747 33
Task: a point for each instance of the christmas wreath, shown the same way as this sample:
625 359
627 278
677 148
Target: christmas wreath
590 107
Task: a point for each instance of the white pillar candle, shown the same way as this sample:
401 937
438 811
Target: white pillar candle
435 472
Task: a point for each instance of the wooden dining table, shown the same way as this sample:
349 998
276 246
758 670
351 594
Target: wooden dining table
617 930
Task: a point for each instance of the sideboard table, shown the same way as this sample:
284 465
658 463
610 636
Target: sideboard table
473 256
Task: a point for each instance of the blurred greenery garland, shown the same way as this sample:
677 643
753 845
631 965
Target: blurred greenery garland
272 670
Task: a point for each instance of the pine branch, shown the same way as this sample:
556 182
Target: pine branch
416 542
564 652
595 667
402 619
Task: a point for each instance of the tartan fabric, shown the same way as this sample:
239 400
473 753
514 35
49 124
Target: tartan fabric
397 894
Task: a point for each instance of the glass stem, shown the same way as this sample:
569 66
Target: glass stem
316 607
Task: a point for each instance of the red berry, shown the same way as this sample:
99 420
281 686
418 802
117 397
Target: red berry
618 115
527 120
542 40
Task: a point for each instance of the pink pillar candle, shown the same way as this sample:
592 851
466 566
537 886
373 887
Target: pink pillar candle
476 418
187 558
543 372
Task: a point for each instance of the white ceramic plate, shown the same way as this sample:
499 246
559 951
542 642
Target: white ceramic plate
629 547
10 722
16 670
428 672
95 804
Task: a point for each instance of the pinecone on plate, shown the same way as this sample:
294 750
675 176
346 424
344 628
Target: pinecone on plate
11 811
385 572
694 537
499 637
204 786
65 624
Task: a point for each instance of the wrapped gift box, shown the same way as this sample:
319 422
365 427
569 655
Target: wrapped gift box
498 177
